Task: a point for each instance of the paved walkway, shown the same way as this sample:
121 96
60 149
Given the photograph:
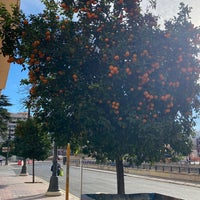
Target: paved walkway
15 187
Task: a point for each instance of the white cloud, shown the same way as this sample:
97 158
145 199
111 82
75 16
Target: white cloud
166 9
31 7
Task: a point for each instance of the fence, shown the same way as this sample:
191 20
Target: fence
172 168
189 172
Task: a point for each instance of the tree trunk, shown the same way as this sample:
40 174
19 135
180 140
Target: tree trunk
33 170
120 176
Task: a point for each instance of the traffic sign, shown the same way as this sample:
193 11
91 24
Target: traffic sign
5 149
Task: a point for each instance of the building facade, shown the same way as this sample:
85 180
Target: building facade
14 118
12 123
4 65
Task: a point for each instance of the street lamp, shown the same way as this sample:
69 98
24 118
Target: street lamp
8 147
53 189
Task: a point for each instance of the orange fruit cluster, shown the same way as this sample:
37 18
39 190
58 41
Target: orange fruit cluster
155 115
165 97
20 61
11 59
144 78
151 106
155 65
33 60
185 70
174 84
180 59
167 110
128 71
120 1
75 77
17 60
120 119
41 55
33 90
145 53
116 57
131 89
32 77
64 6
167 35
113 70
127 54
48 35
48 58
43 79
134 57
92 15
25 22
149 96
36 43
170 105
115 105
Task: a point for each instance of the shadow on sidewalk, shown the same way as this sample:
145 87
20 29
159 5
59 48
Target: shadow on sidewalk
2 187
31 197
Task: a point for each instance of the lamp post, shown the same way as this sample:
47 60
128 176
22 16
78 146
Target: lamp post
67 171
24 167
53 189
8 147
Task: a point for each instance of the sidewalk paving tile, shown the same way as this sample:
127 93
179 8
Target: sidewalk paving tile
15 187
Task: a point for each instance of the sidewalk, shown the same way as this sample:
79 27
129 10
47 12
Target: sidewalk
15 187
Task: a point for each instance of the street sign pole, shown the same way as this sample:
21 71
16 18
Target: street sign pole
81 174
67 171
6 150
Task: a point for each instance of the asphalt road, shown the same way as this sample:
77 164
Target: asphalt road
94 181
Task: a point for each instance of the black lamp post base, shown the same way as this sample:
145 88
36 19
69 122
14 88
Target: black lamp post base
24 171
53 189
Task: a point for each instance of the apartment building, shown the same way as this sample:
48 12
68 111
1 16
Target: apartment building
14 118
12 123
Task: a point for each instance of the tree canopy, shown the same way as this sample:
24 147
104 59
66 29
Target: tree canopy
4 115
106 76
30 141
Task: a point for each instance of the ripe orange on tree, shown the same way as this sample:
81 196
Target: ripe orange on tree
116 57
25 22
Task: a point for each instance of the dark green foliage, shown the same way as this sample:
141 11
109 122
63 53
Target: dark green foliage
113 82
30 141
4 115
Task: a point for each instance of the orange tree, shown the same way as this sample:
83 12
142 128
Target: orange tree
46 46
142 82
112 77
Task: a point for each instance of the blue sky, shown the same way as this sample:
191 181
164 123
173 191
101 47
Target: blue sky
13 90
165 9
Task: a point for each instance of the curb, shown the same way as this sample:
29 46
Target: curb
59 193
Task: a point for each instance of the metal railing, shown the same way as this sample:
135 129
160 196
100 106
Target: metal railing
158 167
172 168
